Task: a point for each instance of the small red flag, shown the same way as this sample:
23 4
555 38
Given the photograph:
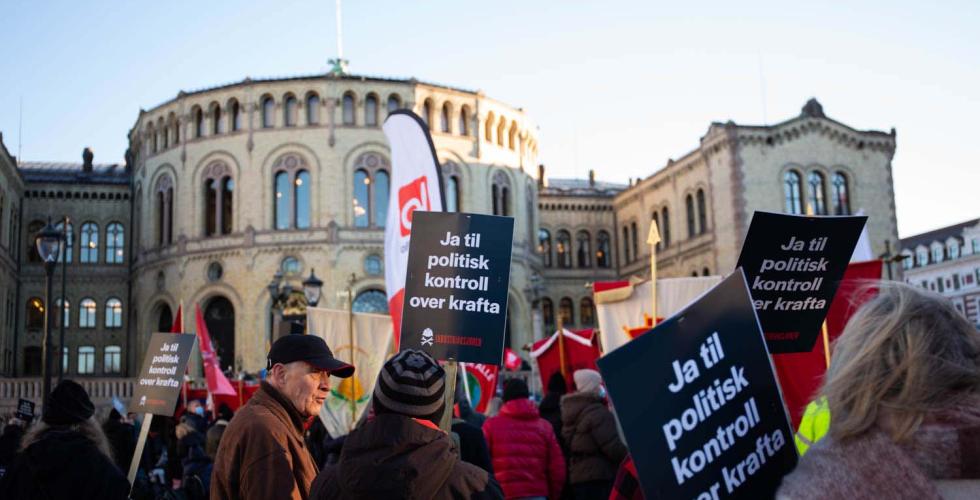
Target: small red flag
178 322
216 380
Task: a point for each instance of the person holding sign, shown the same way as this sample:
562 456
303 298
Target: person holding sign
903 389
66 455
262 454
401 452
589 428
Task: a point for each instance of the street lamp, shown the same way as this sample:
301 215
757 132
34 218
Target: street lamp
48 244
312 287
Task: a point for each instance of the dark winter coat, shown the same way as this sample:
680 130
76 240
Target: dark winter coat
594 448
550 410
525 453
262 454
122 439
472 445
397 457
63 464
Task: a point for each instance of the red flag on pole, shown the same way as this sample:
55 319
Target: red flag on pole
511 360
581 351
218 384
178 326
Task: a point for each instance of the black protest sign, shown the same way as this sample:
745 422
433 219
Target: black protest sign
793 265
158 385
456 286
25 410
697 400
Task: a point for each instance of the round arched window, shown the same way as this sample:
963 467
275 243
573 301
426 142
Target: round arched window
290 266
215 271
372 265
371 301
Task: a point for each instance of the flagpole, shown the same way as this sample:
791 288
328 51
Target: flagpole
466 384
350 339
561 346
653 237
826 342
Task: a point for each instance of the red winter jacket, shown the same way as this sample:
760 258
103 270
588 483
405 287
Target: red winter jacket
526 458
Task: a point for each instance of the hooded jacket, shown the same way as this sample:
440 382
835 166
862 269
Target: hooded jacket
262 454
527 460
396 457
940 460
594 448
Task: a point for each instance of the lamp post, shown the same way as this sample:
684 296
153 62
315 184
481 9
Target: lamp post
48 244
312 286
65 247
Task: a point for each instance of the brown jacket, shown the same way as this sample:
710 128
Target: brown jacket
395 457
262 454
940 460
589 428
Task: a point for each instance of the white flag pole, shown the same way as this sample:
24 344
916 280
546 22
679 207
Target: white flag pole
653 238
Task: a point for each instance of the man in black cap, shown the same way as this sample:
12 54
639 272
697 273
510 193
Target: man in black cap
262 452
66 455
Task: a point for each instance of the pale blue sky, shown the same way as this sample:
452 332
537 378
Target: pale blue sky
615 86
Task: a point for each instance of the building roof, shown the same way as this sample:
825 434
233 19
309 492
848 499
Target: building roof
73 173
941 235
581 187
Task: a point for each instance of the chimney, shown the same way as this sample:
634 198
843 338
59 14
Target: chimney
87 160
540 175
591 177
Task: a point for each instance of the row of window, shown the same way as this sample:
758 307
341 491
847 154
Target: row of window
563 250
566 310
953 282
85 360
697 224
939 253
89 247
816 193
87 313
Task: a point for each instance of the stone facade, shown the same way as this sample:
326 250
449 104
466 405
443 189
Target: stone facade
11 195
947 261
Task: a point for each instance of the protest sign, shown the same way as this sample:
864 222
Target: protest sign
158 385
25 410
793 265
698 403
456 286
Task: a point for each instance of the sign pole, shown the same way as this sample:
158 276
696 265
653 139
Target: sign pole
653 238
134 464
561 346
447 414
466 384
350 339
826 342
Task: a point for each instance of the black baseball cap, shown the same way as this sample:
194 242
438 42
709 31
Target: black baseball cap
309 348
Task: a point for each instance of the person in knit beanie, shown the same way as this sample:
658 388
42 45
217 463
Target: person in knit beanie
66 455
401 452
589 428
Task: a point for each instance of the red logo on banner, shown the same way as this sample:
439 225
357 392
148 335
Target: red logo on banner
411 197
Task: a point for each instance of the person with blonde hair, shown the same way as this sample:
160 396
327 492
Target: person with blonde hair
903 388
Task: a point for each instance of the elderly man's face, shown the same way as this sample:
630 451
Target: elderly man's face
305 386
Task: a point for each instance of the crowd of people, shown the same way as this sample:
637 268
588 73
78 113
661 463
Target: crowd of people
903 390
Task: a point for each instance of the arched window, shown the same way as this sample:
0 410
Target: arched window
452 193
68 247
626 245
586 313
953 250
512 137
164 132
113 313
86 360
602 252
175 129
547 312
842 203
165 210
566 311
111 360
291 188
817 203
501 131
636 250
544 246
500 194
705 272
427 113
32 229
563 249
152 137
702 213
394 102
444 118
86 313
372 183
655 217
198 115
217 126
289 108
218 190
665 229
65 313
312 109
35 313
362 202
792 187
691 217
236 115
381 186
907 261
464 121
371 301
371 111
268 112
347 105
583 250
922 257
114 239
937 254
89 251
488 127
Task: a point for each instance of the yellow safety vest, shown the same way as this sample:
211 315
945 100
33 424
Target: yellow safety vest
814 424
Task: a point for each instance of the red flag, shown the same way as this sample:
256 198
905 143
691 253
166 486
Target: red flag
481 382
178 325
216 380
801 373
511 360
581 351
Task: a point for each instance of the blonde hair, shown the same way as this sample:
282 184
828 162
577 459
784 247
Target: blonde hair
904 353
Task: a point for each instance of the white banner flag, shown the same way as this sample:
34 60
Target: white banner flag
416 184
349 397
